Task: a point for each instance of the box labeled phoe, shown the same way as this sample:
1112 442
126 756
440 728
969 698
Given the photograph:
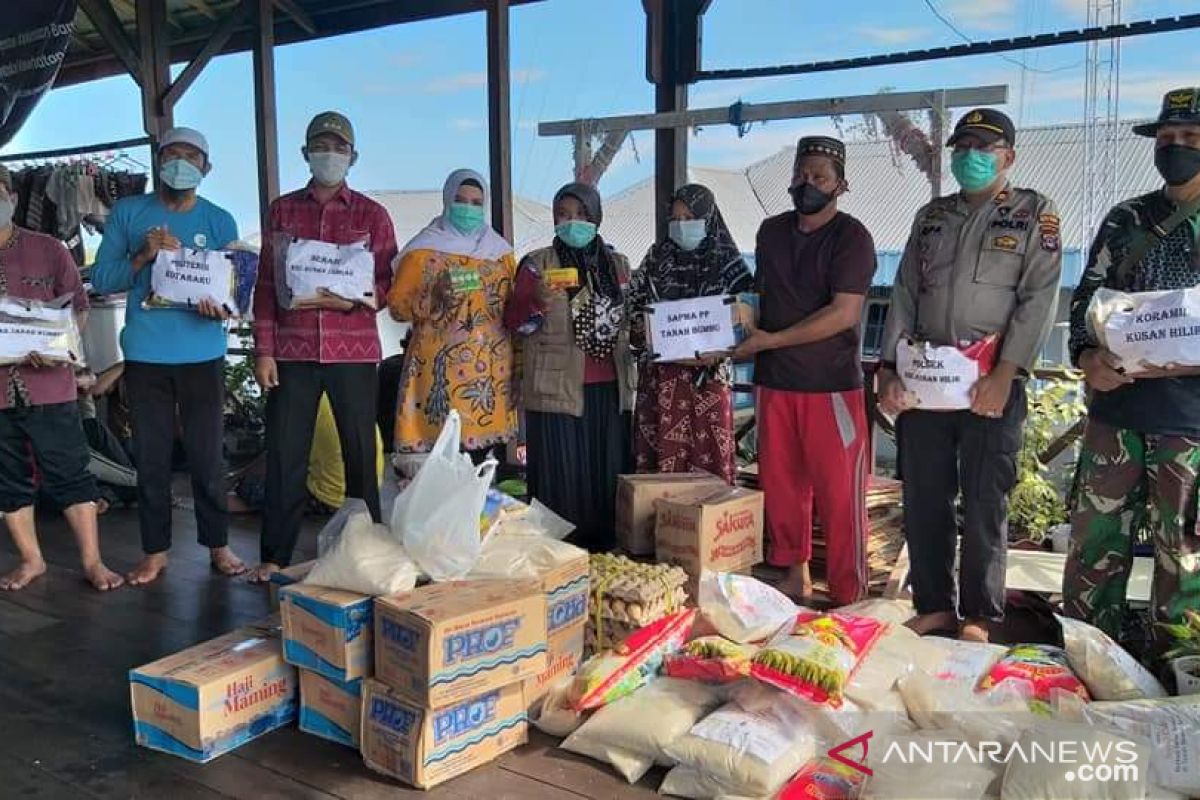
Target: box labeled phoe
637 494
209 699
720 533
330 709
328 631
446 642
424 747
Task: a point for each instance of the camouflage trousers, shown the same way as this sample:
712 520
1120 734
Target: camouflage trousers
1126 481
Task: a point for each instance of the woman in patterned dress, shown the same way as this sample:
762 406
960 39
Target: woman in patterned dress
452 282
684 416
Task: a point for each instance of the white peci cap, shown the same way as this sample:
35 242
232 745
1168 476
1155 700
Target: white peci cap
185 136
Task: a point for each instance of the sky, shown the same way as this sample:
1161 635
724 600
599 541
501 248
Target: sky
416 93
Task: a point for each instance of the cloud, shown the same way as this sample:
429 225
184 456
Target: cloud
466 123
986 15
472 80
892 36
404 60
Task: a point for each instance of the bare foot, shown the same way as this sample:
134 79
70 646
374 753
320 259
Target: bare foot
262 573
102 578
226 562
797 585
974 630
102 507
147 571
923 624
22 576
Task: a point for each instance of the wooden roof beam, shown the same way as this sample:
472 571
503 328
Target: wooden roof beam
112 31
298 15
215 44
202 7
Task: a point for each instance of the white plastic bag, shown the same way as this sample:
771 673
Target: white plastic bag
1102 765
1106 668
1148 329
332 531
437 516
901 770
999 715
743 609
1171 725
632 733
553 715
365 559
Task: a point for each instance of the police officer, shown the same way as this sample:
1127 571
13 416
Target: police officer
983 261
1141 447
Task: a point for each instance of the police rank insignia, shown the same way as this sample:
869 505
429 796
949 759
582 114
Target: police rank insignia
1005 243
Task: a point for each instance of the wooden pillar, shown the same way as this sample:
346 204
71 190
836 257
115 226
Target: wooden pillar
670 154
500 117
155 61
266 126
937 135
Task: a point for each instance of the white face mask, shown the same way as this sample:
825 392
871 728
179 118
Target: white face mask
7 207
329 169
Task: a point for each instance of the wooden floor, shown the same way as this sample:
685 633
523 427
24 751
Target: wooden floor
65 729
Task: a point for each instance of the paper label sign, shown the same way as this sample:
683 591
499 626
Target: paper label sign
37 328
681 329
185 277
347 271
1160 329
940 378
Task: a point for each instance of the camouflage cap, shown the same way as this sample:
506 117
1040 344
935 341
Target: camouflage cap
1179 107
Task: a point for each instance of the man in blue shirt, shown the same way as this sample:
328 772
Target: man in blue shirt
172 356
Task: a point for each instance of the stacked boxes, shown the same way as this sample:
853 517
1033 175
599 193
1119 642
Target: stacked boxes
637 494
722 532
214 697
327 633
566 591
451 662
286 577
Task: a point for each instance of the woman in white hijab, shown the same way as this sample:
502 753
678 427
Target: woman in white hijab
452 282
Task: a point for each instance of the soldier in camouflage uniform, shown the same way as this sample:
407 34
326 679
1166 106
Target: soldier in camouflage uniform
1141 450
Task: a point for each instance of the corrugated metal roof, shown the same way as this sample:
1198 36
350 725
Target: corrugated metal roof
886 190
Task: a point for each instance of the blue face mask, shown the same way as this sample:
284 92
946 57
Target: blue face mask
974 169
576 234
465 217
687 233
180 174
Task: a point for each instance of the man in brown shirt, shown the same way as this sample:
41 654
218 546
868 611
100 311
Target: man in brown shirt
814 268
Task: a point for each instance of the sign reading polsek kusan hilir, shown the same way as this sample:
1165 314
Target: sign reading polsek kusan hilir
683 329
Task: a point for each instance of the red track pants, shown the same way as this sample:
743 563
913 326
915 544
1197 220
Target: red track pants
813 447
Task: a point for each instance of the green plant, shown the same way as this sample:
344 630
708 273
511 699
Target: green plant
1185 636
1037 504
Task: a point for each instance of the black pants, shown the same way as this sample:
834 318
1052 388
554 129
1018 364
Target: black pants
52 436
198 392
574 463
941 454
291 414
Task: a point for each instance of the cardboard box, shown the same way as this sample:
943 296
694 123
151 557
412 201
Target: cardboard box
424 747
447 642
565 654
327 631
286 577
722 533
330 709
216 696
637 494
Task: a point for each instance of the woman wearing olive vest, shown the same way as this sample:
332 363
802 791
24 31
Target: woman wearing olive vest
569 304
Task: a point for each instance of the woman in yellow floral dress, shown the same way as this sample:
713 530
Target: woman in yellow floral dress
452 282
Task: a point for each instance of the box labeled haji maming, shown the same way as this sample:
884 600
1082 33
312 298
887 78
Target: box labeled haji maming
330 709
327 631
214 697
721 533
637 494
425 747
286 577
446 642
563 658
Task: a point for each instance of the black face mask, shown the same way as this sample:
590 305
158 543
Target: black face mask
1177 163
808 199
